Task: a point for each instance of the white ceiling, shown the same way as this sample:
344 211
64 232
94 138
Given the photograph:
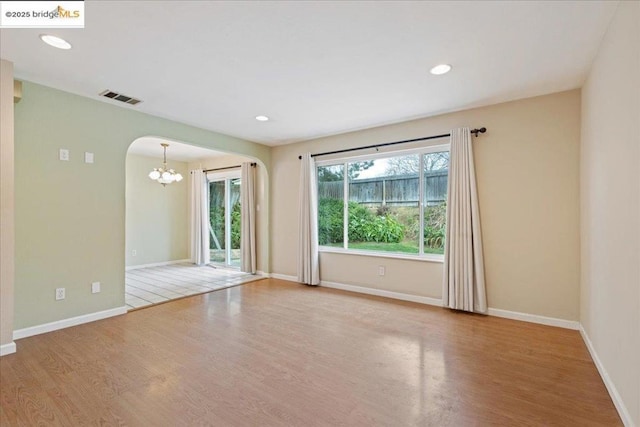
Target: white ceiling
150 146
315 67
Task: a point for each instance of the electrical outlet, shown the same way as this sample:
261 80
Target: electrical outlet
134 252
88 157
381 270
64 154
95 287
60 294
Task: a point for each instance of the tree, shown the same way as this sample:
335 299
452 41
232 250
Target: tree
336 172
409 165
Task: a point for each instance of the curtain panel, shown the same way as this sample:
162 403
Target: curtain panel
248 219
199 233
308 262
464 285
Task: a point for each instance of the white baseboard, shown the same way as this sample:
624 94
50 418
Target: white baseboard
284 277
263 274
65 323
534 318
383 293
7 348
611 388
156 264
514 315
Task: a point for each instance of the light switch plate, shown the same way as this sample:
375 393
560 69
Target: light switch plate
88 157
64 154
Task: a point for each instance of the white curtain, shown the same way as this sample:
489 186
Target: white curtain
248 219
308 267
199 235
464 287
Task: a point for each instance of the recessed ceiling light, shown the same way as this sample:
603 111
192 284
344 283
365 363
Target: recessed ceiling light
262 118
441 69
55 41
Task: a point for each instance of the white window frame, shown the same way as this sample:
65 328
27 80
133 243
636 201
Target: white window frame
344 161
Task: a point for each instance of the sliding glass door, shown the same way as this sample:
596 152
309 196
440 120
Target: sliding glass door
224 218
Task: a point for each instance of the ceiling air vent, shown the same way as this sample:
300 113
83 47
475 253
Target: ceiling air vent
120 97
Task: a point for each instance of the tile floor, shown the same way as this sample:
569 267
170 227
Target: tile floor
153 285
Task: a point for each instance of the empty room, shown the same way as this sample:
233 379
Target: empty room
319 213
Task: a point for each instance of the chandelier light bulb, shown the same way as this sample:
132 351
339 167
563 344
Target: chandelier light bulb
164 175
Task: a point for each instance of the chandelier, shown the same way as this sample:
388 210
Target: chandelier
164 175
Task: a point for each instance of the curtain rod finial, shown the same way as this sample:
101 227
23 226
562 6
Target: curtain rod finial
476 131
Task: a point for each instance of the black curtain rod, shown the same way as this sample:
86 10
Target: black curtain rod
225 168
384 144
228 167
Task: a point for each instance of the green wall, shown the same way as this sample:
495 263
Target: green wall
70 216
157 217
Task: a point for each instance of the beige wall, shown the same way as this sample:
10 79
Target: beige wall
262 201
610 205
7 235
70 216
527 171
157 216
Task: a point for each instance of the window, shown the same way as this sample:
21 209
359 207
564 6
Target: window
392 203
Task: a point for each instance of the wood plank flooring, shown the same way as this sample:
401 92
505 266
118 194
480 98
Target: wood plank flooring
153 285
274 353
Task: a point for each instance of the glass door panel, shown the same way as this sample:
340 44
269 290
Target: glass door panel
224 216
217 225
234 202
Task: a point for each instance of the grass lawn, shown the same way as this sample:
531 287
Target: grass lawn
402 247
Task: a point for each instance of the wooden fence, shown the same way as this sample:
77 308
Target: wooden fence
400 190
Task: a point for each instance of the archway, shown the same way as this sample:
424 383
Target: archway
157 217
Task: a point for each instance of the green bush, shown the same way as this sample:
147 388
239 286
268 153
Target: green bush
330 214
216 214
359 219
435 220
410 217
385 229
235 226
364 226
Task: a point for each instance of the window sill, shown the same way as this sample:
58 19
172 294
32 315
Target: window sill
395 255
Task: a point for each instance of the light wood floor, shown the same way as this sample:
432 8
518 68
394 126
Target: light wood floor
273 353
154 285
